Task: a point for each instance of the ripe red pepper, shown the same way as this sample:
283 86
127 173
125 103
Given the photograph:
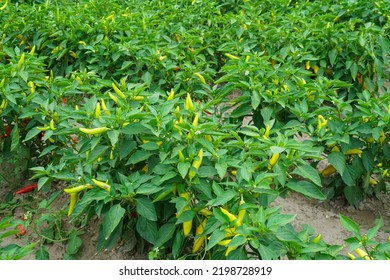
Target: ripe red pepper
28 188
21 229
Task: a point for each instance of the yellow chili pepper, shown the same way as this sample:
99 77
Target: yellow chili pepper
113 98
224 242
201 78
200 240
31 86
21 61
73 200
118 91
273 160
4 6
230 215
181 157
104 107
363 254
189 104
351 256
196 164
232 56
97 111
171 95
205 212
43 128
102 185
267 130
321 122
229 250
78 189
52 125
196 120
329 170
93 131
354 152
317 239
32 52
241 213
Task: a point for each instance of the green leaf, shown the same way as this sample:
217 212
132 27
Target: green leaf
146 209
306 188
74 245
280 220
237 241
113 135
138 156
332 56
206 171
372 232
337 160
368 160
221 168
223 198
183 168
267 253
42 254
308 172
187 215
217 236
147 229
32 133
177 245
255 100
350 225
15 138
126 148
112 219
135 128
164 234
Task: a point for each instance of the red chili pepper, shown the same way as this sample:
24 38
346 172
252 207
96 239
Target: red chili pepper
21 229
28 188
64 100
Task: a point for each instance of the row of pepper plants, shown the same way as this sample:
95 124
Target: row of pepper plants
179 122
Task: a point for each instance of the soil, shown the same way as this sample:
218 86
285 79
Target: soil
322 216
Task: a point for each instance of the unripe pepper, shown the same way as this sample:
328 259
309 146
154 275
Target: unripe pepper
196 164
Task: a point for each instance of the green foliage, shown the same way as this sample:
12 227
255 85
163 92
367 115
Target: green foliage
149 109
